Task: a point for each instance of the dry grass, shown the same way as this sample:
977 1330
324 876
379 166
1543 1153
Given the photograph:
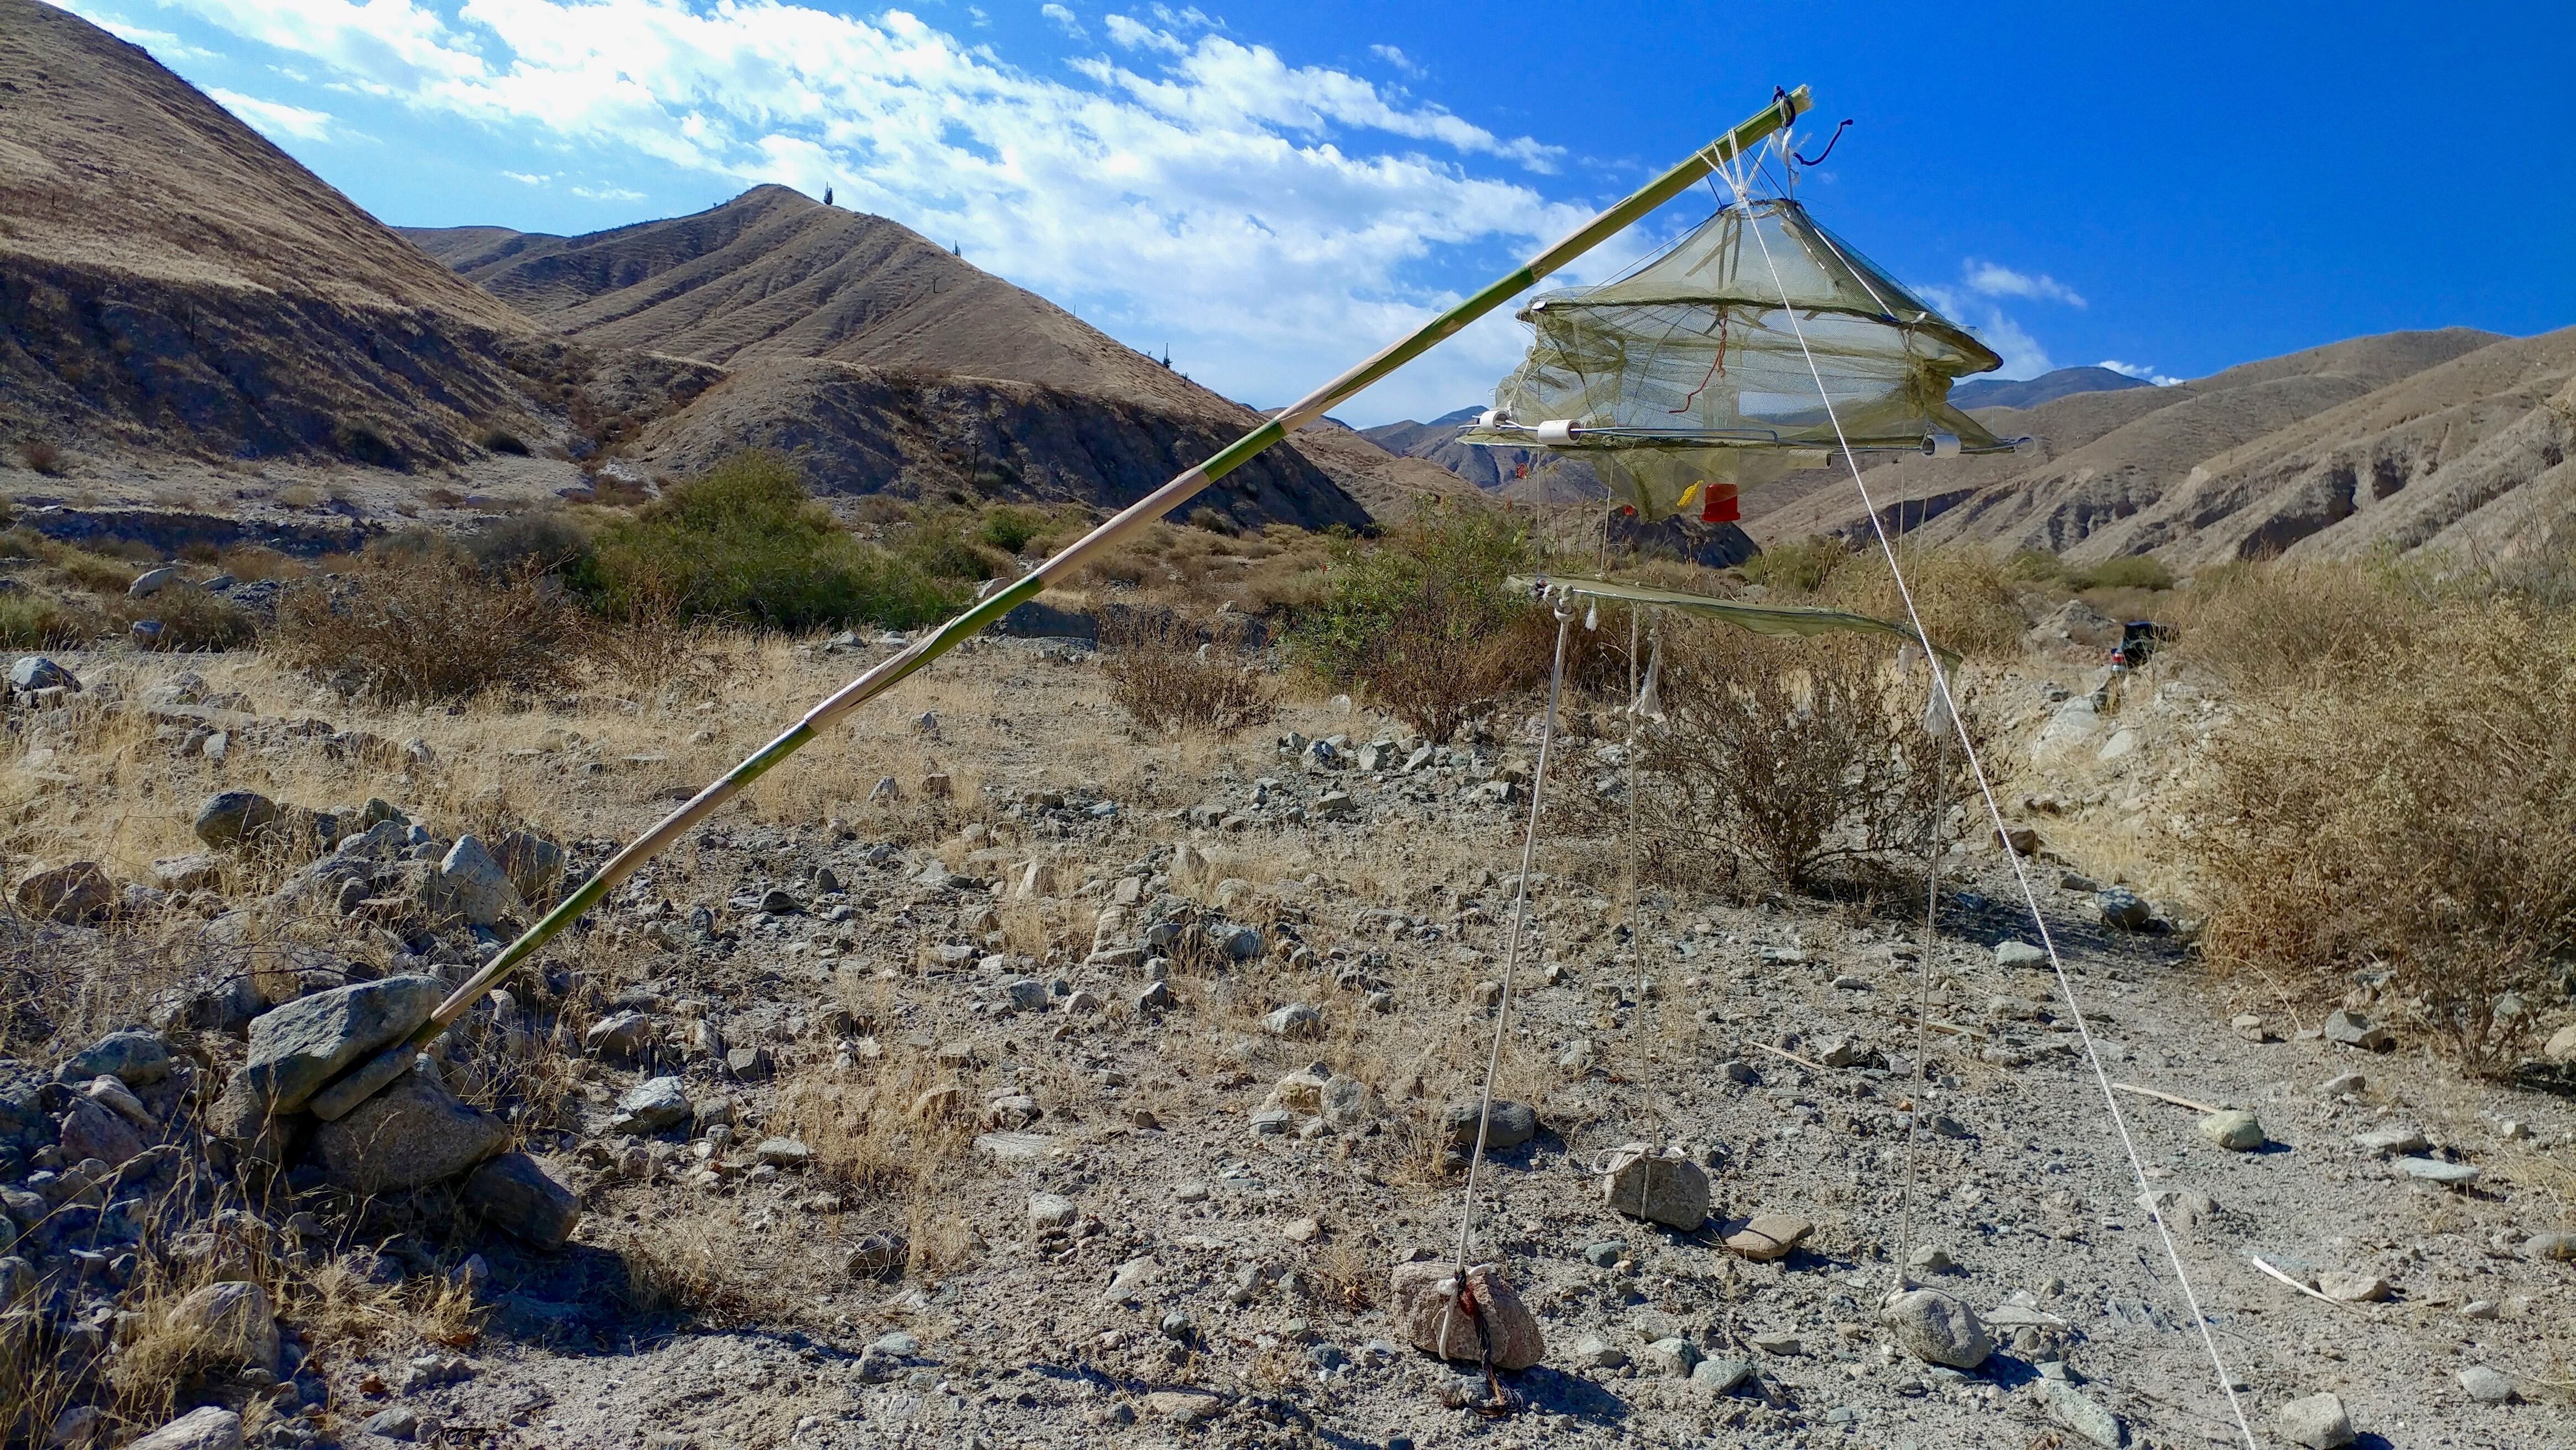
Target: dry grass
2393 814
1173 675
435 627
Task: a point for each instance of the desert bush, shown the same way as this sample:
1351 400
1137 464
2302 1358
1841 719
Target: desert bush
360 441
1799 758
1966 599
41 456
96 573
746 543
2131 571
547 539
429 627
1421 621
28 621
2273 626
1010 529
1170 675
2404 821
1799 565
191 619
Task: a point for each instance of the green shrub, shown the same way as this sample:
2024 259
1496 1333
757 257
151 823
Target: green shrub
2035 566
28 621
2133 571
1010 529
746 543
1422 623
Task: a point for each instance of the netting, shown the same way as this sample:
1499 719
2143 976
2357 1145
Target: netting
1682 382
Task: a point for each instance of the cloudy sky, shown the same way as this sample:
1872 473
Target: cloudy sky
1272 191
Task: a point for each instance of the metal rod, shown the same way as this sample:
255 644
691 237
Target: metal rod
366 1079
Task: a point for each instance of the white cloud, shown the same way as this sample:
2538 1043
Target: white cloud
607 193
1403 63
275 118
2140 371
1270 221
1065 21
162 44
1135 35
2000 281
531 178
2022 353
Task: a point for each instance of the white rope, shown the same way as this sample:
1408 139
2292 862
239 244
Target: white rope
2021 872
1512 949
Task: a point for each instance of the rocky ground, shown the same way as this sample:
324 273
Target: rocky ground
989 1078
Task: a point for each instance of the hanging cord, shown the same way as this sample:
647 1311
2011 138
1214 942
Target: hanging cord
1830 143
1922 991
1466 1299
1994 810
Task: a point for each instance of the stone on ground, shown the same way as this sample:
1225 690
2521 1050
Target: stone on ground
651 1106
412 1134
232 818
233 1325
93 1130
2317 1422
2392 1141
1186 1407
2182 1208
1766 1236
2352 1288
1594 1352
74 895
1721 1376
2436 1170
1424 1298
2019 954
1296 1020
210 1428
2351 1029
1666 1186
299 1046
1509 1125
515 1193
2234 1129
1052 1210
473 885
1938 1328
136 1059
2080 1412
1347 1102
1673 1357
2486 1386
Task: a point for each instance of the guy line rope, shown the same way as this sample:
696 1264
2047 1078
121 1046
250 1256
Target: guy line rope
1731 165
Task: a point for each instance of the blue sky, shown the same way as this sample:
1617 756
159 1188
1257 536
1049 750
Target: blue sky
1273 190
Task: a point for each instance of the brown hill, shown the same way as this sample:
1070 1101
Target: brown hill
2102 457
774 276
169 279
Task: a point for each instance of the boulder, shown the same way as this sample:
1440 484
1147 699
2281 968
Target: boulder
1666 1186
137 1059
619 1037
1296 1020
2318 1422
75 895
651 1106
471 884
515 1193
1425 1299
2351 1029
232 1324
2486 1385
1672 1357
35 672
2562 1044
412 1134
1346 1102
1509 1125
234 818
298 1047
2122 908
210 1428
2019 954
1938 1328
93 1130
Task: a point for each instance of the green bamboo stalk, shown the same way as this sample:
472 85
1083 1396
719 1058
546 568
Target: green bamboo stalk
356 1087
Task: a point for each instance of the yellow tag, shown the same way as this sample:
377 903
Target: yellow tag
1688 495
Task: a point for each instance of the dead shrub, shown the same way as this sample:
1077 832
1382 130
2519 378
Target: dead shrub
42 457
1172 675
1799 758
2396 832
432 626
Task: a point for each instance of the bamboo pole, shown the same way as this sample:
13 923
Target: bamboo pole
358 1085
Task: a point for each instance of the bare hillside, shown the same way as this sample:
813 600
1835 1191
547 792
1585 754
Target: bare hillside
2101 457
773 276
168 278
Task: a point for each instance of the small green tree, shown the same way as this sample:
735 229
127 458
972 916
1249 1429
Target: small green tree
745 542
1421 622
